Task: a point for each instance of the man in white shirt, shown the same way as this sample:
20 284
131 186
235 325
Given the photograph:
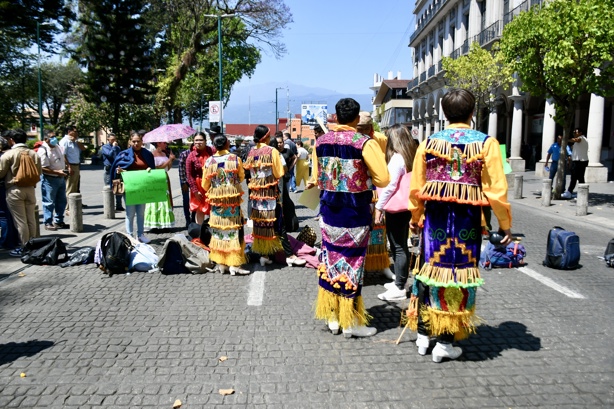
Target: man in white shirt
72 156
53 184
579 161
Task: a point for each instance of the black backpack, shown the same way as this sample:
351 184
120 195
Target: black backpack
115 248
608 255
172 259
44 251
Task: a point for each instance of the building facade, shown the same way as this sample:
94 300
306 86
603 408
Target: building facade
392 104
447 28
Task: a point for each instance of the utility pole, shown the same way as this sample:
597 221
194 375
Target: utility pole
276 111
40 84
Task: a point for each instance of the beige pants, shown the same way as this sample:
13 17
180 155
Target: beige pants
72 182
22 202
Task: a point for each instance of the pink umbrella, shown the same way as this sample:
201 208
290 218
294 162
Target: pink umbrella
167 133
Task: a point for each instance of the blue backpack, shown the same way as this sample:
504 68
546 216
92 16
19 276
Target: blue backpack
563 249
509 256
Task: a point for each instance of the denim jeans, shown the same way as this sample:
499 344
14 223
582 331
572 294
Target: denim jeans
139 212
54 198
8 232
397 231
292 185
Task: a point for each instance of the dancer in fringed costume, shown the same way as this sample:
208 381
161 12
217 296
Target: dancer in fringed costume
222 177
455 173
348 164
377 252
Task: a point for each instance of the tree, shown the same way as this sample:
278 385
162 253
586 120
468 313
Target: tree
481 72
116 50
563 50
189 38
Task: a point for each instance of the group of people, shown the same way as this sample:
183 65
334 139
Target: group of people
57 165
576 158
437 190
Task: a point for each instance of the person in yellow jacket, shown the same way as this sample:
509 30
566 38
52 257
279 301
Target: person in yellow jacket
348 165
456 172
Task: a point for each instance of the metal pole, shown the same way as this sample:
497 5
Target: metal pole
40 83
276 112
219 40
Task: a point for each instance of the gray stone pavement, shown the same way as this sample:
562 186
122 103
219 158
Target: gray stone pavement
88 341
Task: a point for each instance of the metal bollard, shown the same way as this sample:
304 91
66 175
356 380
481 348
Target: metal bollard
518 186
37 218
546 192
109 202
582 200
75 202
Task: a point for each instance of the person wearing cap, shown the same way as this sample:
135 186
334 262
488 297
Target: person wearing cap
377 252
194 175
348 165
214 131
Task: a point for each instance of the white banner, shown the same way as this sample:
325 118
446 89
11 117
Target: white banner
215 111
309 113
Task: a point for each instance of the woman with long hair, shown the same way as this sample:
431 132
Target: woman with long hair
134 158
222 177
194 174
393 201
160 215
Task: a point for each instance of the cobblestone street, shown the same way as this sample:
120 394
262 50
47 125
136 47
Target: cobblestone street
84 340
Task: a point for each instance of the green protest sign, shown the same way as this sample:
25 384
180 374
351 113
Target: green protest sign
506 165
142 186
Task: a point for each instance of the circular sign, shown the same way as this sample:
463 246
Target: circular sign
414 132
215 109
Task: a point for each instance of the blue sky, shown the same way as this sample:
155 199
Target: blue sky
340 44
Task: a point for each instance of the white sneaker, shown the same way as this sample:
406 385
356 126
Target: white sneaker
295 261
238 270
387 272
390 286
445 351
359 331
422 343
393 295
566 195
333 326
143 239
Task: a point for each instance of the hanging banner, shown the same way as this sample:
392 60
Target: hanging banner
142 186
215 111
309 113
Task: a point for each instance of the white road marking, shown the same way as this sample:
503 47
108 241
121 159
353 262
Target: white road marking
256 286
550 283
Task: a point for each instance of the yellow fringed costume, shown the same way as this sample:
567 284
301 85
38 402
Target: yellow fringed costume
222 177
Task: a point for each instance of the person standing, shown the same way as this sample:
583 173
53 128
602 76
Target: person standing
348 165
555 152
134 158
579 161
72 155
194 174
302 164
109 152
21 200
53 183
289 143
222 177
8 233
185 187
159 215
289 210
455 172
393 201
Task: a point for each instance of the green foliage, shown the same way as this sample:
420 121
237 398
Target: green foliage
480 71
562 51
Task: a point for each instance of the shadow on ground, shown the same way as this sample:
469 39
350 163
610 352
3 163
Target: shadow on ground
14 350
489 341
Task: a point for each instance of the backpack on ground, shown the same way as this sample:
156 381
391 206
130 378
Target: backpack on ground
608 255
181 256
510 256
562 249
83 255
27 173
115 248
44 251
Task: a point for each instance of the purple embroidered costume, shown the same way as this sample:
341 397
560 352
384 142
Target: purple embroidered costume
346 219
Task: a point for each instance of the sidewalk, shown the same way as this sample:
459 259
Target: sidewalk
600 202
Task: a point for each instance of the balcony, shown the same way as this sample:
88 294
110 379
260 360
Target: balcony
412 84
433 12
524 6
423 77
430 72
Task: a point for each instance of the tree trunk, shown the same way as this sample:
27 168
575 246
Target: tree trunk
559 179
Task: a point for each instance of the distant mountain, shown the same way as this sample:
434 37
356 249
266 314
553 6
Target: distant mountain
256 104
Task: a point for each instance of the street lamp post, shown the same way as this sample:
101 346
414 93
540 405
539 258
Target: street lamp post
276 111
219 40
40 83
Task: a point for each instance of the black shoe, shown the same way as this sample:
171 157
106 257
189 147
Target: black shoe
60 225
84 206
119 209
49 226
